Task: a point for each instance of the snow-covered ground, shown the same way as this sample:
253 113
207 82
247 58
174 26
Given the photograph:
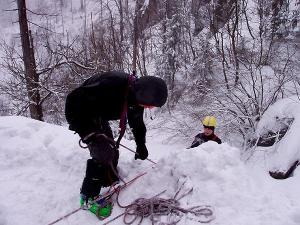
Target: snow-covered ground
41 170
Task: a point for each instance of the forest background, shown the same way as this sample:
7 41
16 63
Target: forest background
227 58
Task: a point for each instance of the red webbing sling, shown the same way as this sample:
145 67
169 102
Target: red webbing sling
123 119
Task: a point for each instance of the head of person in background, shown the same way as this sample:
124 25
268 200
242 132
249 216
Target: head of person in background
209 124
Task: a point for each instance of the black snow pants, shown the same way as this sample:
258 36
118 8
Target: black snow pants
101 169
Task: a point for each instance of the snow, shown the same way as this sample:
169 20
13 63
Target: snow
283 154
42 167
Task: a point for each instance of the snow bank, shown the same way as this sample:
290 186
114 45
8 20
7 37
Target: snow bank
41 170
40 165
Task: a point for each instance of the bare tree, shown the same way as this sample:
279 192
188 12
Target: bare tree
256 69
31 76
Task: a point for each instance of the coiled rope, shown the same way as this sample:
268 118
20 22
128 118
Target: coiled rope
156 206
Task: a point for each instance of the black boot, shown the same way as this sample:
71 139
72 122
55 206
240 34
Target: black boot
91 184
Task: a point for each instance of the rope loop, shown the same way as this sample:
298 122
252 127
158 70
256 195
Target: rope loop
156 206
81 144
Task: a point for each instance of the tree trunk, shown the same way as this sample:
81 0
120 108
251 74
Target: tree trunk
121 21
31 77
136 32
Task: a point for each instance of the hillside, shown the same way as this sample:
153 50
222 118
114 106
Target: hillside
42 168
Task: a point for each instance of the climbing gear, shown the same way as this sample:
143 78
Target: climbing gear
83 200
102 208
209 121
123 118
157 206
113 190
102 205
85 140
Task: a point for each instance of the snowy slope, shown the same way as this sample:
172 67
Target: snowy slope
41 169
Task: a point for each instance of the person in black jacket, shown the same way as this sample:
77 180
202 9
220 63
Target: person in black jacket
209 124
104 97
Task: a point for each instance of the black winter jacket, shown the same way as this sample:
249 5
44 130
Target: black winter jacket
201 138
102 97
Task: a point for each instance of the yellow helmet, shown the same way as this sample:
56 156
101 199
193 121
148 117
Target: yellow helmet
209 121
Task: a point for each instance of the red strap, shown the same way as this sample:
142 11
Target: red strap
123 119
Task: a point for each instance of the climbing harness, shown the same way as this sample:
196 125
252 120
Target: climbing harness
81 140
112 142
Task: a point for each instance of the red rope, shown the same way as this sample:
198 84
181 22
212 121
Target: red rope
116 190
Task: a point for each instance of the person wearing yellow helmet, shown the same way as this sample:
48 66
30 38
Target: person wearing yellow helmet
209 124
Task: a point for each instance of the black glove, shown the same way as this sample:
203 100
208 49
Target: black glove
141 152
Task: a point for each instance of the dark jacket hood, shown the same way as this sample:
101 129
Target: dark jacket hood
150 90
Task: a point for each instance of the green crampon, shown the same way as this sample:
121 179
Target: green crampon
101 208
101 211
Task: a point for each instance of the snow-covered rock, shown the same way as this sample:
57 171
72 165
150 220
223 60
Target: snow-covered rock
283 115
